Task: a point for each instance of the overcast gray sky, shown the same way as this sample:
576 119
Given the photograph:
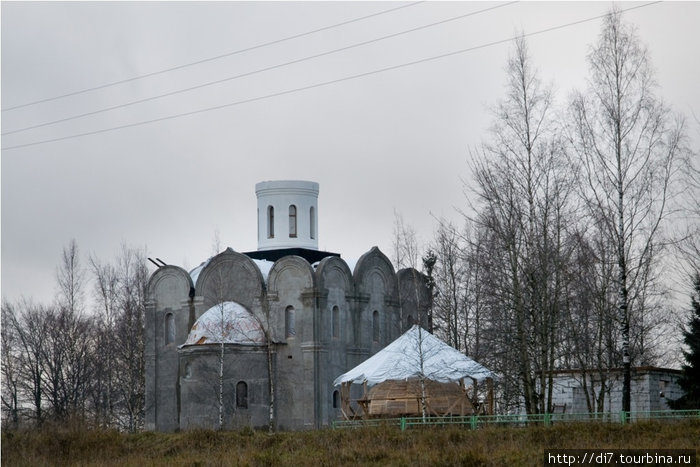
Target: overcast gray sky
392 140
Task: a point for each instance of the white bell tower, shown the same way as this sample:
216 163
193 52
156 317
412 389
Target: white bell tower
287 214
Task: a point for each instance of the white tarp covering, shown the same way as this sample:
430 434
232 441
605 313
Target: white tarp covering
228 322
401 360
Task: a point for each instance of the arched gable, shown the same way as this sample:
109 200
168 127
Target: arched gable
168 287
230 276
290 290
291 273
335 285
374 262
333 272
375 285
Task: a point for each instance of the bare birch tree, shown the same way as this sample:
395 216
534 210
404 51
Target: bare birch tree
118 384
106 290
452 281
629 147
66 345
523 187
405 244
266 326
71 279
132 274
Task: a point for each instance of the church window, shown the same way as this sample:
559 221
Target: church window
289 321
242 395
375 326
270 222
292 221
312 222
336 399
335 318
169 329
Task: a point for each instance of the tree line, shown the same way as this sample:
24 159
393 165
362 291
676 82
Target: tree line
558 260
63 363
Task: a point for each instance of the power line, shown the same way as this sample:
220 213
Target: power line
261 70
217 57
325 83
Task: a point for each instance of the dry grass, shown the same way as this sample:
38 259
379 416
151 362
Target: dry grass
366 446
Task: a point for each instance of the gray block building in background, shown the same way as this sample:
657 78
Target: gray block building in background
287 318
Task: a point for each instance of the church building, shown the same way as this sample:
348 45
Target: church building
253 338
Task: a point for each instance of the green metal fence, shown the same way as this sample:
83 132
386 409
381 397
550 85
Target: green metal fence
476 421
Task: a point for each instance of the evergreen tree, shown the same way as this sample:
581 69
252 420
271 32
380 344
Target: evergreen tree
690 379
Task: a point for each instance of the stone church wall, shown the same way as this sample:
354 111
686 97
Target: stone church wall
322 322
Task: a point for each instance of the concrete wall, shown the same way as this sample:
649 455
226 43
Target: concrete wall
199 386
651 388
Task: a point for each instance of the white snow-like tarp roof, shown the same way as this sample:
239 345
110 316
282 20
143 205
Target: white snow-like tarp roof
401 360
228 322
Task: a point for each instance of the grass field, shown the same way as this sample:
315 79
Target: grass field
499 446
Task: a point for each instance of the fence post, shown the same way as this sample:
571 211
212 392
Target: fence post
623 417
403 423
547 419
472 422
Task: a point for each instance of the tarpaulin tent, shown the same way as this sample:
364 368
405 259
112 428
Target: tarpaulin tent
415 356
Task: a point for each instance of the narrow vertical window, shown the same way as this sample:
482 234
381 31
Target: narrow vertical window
375 326
335 318
292 221
270 222
241 395
312 222
409 322
289 321
169 329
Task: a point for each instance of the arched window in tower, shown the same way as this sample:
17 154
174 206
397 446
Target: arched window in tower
289 322
335 318
242 395
336 399
270 222
312 222
169 329
375 326
292 221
